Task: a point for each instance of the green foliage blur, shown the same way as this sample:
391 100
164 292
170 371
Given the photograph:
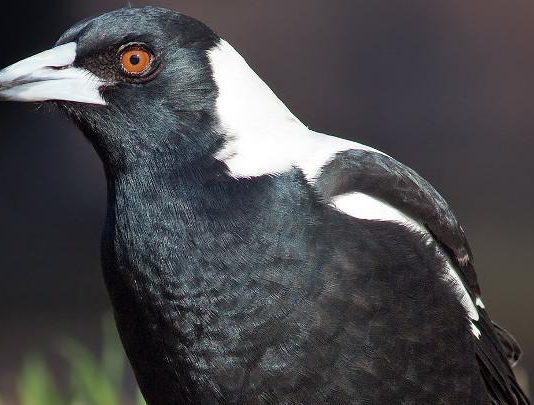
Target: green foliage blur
93 379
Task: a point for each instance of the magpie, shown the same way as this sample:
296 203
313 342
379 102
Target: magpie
249 259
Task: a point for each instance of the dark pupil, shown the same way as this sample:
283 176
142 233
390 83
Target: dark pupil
135 59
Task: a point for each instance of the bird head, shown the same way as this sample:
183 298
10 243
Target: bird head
137 81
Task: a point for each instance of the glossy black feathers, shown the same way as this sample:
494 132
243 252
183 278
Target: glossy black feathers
257 290
385 178
279 299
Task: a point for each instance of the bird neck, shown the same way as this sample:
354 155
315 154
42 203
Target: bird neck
167 190
259 129
245 103
160 222
185 257
157 252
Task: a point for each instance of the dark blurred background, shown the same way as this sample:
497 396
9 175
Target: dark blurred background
446 87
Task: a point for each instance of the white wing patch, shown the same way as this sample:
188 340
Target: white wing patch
451 276
475 330
363 206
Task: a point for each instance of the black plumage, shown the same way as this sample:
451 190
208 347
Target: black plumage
231 288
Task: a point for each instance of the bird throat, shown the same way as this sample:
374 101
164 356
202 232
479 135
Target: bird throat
181 256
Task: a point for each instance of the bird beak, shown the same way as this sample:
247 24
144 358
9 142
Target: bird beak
50 75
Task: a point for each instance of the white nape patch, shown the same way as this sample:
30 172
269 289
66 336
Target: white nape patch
263 136
363 206
50 75
479 303
475 330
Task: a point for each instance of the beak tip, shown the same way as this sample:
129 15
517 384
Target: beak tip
50 76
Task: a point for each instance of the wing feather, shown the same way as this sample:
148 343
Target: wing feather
384 178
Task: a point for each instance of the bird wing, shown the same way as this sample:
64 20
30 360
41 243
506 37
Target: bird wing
494 364
389 181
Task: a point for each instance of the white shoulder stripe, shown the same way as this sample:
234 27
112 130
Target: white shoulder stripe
363 206
451 276
475 330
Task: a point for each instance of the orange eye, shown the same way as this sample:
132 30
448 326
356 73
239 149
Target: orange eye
135 61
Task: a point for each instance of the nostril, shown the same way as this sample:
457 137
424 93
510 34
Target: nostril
58 67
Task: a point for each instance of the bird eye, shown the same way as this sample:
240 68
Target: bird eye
135 60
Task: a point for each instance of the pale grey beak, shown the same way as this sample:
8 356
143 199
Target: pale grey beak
50 75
